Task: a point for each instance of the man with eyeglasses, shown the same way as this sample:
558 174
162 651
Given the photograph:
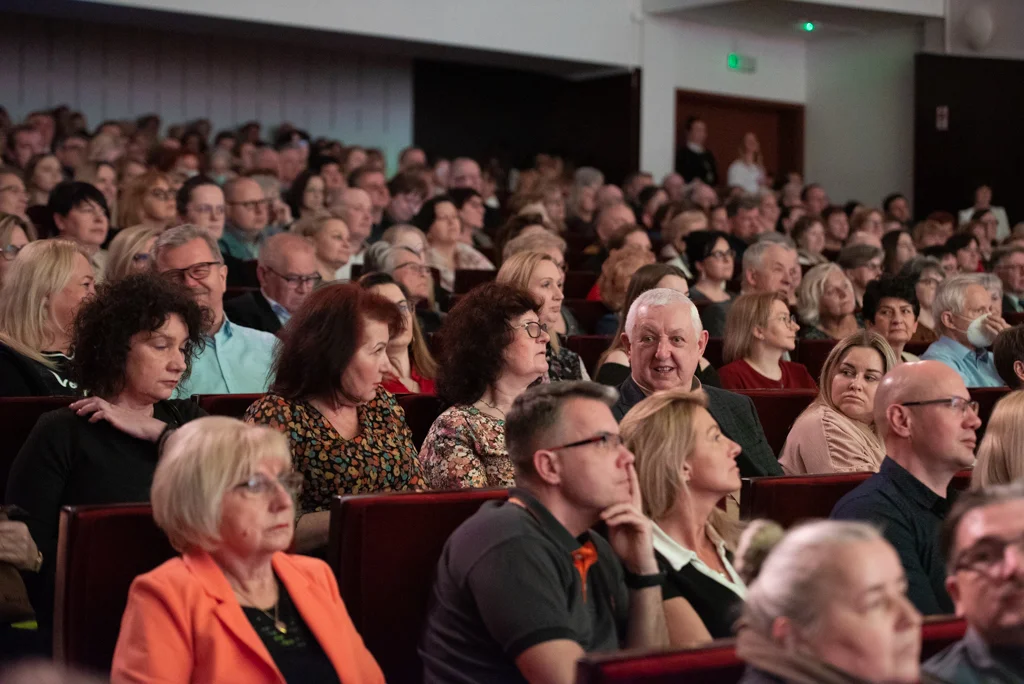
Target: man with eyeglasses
236 359
356 209
407 268
524 587
247 217
927 421
1009 266
287 275
983 543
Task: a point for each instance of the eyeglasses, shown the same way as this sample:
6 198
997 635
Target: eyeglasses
210 209
988 555
162 195
141 258
404 307
606 439
252 205
16 189
261 485
416 268
196 271
1018 268
932 282
11 251
298 280
532 328
720 255
781 318
956 403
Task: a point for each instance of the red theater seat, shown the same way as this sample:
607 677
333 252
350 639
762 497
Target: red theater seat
466 280
987 397
230 405
938 632
713 664
384 550
778 410
590 348
100 550
18 415
812 354
421 410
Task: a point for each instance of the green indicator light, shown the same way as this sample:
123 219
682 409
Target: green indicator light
734 61
808 26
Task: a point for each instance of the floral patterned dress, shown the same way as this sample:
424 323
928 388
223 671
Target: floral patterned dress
381 458
466 449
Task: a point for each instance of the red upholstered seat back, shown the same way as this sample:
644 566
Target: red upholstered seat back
18 415
101 549
812 353
939 632
778 410
384 550
590 348
230 405
713 664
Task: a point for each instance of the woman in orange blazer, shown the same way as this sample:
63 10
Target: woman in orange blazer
235 607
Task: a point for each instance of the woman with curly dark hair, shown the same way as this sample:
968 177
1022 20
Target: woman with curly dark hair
305 197
132 343
493 346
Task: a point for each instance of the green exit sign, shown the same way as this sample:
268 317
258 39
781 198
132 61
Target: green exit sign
741 63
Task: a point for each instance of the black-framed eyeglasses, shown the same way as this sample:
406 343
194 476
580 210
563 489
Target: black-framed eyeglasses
162 195
261 485
606 439
196 271
956 403
298 280
988 554
719 254
532 328
11 251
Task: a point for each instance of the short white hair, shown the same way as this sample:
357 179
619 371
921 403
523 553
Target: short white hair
753 256
952 295
661 296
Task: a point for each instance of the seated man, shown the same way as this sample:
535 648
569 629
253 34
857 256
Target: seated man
524 588
664 341
1008 356
287 275
1008 264
966 326
983 543
236 359
355 208
607 221
927 420
891 310
247 218
408 269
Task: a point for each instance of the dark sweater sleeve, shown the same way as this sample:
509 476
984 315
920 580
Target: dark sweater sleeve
13 381
758 450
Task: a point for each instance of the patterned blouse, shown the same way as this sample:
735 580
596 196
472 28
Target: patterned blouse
466 449
381 458
564 364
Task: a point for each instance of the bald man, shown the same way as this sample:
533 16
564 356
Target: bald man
287 275
927 421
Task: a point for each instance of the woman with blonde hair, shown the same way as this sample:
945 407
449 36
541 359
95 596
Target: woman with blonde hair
130 252
825 304
747 171
538 274
42 292
330 237
148 201
1001 453
836 433
759 331
685 466
15 233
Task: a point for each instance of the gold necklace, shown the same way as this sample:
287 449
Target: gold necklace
279 624
493 408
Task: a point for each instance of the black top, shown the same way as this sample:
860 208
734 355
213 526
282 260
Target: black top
614 374
510 578
713 317
297 653
716 604
65 461
21 376
252 310
909 515
701 165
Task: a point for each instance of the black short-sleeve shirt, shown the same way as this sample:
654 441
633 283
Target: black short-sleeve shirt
509 578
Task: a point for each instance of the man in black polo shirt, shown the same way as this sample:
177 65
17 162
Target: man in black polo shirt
927 420
524 588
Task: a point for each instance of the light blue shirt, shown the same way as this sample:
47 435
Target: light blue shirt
236 360
282 313
977 368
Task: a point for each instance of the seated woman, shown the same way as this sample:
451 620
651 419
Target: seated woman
547 243
329 235
347 434
926 274
305 196
613 366
825 304
685 466
713 259
836 433
537 274
471 214
147 200
616 272
493 346
14 234
236 606
964 247
79 213
891 310
809 236
42 291
129 252
1001 452
830 605
413 368
759 331
899 248
439 219
42 174
861 264
132 343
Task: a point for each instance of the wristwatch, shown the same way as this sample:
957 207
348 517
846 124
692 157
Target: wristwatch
634 581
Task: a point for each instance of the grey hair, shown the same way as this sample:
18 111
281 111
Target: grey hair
172 238
992 283
808 295
373 258
753 256
967 502
660 296
532 242
855 256
389 259
588 177
276 246
537 410
799 576
952 295
918 265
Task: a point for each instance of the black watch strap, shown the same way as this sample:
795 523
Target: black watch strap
643 581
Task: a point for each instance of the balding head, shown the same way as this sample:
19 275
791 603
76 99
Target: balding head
465 173
287 269
356 209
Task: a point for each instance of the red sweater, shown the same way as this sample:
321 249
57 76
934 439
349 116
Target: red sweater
740 375
395 386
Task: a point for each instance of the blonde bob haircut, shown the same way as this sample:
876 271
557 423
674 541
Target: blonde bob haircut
1001 454
812 287
130 205
659 431
125 246
747 312
201 462
43 268
518 270
861 338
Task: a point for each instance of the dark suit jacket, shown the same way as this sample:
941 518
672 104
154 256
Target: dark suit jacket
1009 306
713 317
252 310
736 417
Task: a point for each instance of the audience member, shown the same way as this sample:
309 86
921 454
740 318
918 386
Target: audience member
147 200
830 605
13 196
23 142
14 236
43 289
693 160
926 273
611 286
223 493
994 286
870 221
861 264
200 201
685 466
744 226
964 247
897 206
966 328
408 190
1001 452
575 592
439 220
768 266
747 171
306 195
837 231
235 359
983 226
332 247
346 433
891 310
815 199
983 202
927 421
130 252
1008 264
809 236
607 222
930 233
899 248
1008 356
759 331
133 343
42 174
983 545
837 432
493 346
664 341
713 259
470 206
80 214
675 234
581 204
247 218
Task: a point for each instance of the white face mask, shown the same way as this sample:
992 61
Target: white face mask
977 336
